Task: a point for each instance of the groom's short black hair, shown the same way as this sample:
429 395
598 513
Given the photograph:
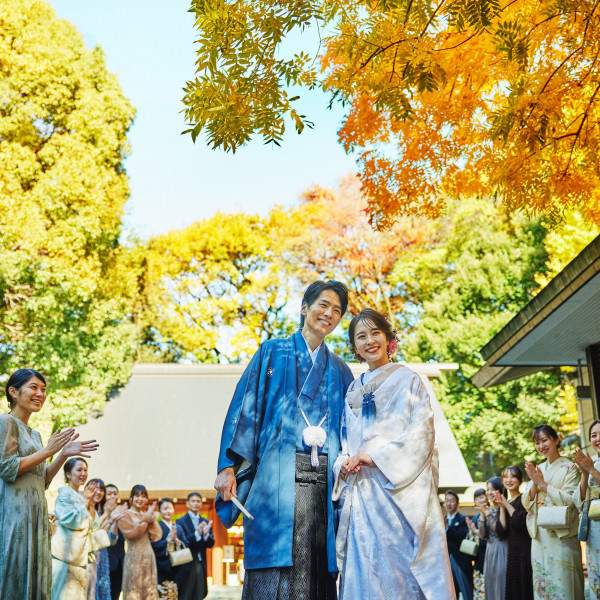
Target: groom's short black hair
313 291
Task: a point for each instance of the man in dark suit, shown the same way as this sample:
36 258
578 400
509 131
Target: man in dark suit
116 553
192 578
456 531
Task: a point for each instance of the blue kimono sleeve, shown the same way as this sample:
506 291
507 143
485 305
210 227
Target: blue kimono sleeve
70 510
238 440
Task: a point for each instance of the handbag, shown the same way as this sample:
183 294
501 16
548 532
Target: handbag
553 517
180 557
100 539
470 547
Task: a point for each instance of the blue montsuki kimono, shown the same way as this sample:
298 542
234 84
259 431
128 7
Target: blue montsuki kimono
263 427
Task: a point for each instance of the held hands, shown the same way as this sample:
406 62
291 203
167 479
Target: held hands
226 484
58 440
354 463
583 460
75 448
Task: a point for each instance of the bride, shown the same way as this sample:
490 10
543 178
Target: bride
391 541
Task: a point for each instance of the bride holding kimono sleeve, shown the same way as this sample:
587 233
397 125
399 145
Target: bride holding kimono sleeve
391 541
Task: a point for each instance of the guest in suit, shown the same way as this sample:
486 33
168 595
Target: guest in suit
116 552
172 538
456 531
192 578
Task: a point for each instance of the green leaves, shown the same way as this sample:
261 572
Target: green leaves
66 294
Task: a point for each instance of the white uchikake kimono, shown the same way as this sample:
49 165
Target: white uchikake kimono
391 541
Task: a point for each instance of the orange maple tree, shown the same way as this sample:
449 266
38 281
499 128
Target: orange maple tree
447 97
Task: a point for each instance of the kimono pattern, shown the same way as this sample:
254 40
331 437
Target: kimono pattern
592 548
555 553
261 430
70 581
25 568
391 541
139 567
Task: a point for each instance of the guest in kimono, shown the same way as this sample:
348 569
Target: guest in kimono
457 530
587 493
391 541
140 528
281 434
172 539
555 552
494 568
512 525
71 544
25 560
480 500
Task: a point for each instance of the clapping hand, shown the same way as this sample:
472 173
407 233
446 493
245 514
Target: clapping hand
583 460
89 492
78 448
111 504
149 513
119 512
501 500
204 528
58 440
535 474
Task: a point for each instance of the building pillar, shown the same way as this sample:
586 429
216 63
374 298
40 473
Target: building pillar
593 368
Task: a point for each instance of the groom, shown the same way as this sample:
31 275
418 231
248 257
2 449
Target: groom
289 384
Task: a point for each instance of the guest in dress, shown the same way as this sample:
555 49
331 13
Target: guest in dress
71 544
587 493
25 563
104 514
140 528
116 552
391 541
512 526
479 499
494 568
555 552
172 539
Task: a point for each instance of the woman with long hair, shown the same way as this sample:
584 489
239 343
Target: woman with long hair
512 526
139 528
587 494
494 567
391 541
555 551
25 563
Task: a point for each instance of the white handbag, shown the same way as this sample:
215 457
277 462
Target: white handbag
180 557
470 547
553 517
594 510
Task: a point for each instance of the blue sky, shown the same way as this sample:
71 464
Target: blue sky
149 46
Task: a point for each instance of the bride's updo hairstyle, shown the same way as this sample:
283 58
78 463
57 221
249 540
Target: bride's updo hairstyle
374 320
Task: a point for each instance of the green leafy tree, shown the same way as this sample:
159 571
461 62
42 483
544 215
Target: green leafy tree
67 292
218 288
465 286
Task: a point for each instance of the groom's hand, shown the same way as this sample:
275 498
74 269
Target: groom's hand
225 483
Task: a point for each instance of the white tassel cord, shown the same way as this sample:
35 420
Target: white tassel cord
314 436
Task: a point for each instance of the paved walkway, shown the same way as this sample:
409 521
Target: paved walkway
224 592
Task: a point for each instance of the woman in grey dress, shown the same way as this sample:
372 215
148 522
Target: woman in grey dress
25 563
496 552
